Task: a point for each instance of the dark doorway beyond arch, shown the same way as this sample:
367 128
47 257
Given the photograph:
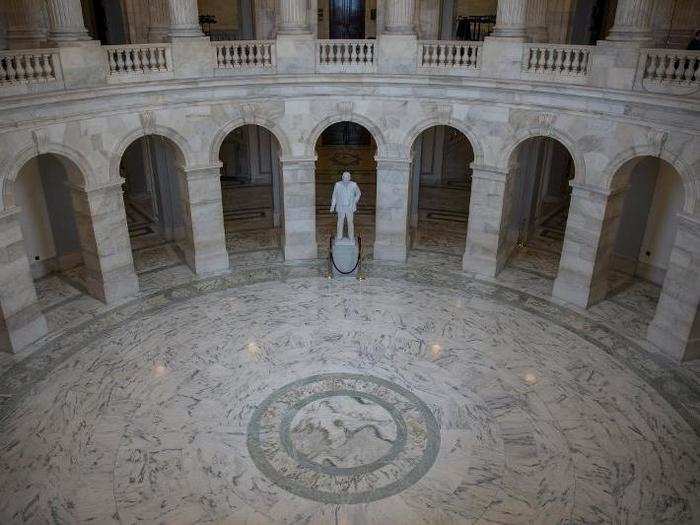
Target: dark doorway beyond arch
347 19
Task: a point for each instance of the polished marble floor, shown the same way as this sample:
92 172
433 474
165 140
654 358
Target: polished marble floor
418 394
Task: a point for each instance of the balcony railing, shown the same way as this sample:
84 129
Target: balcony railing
671 65
557 62
36 66
138 59
443 54
245 54
339 56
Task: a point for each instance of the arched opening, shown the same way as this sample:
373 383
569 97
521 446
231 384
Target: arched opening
440 190
646 230
43 192
251 190
75 236
541 169
155 196
346 146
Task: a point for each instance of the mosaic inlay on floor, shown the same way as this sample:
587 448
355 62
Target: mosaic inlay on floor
419 395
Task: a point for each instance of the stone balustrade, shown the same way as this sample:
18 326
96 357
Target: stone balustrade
445 54
345 55
244 54
36 66
662 71
557 62
671 66
138 60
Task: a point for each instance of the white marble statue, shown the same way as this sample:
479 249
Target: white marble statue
346 194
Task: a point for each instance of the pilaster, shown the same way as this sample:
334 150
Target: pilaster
586 258
489 242
675 328
21 319
104 239
299 194
292 17
205 239
391 215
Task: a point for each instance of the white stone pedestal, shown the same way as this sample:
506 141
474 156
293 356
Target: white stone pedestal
345 253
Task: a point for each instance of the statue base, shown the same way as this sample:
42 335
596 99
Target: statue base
345 253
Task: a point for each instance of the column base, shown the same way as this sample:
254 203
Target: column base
569 291
670 344
300 251
390 252
22 329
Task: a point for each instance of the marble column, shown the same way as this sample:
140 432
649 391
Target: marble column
537 21
205 239
66 24
586 258
399 16
632 22
159 21
489 238
104 240
686 20
292 17
391 214
25 23
676 325
184 19
299 195
21 319
511 19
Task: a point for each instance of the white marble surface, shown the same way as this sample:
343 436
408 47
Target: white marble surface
546 414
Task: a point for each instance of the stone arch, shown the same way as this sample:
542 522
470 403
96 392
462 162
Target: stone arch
62 151
549 132
373 128
612 178
430 122
232 125
176 138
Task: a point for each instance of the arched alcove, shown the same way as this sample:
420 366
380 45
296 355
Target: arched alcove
440 189
155 198
251 189
537 202
346 146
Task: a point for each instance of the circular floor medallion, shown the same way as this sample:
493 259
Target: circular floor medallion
343 438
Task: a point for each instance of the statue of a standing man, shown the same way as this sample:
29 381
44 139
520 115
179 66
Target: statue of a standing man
346 193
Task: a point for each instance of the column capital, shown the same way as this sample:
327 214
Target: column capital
301 162
398 163
203 172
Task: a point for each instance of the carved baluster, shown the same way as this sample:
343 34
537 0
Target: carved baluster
267 52
11 68
660 67
670 73
4 77
32 72
112 63
48 62
240 52
576 62
19 68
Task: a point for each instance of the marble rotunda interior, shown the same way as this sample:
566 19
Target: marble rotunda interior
516 338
